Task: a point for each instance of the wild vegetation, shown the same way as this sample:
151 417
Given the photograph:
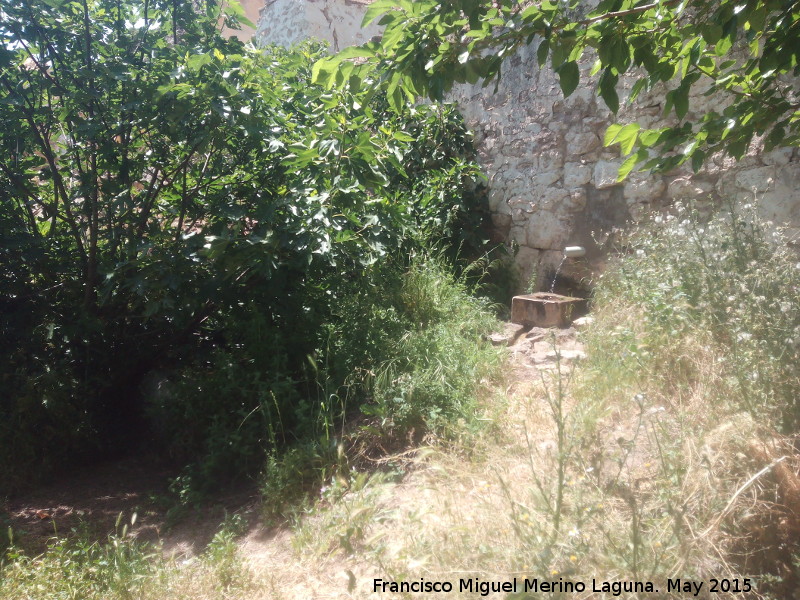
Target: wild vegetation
745 54
182 211
659 456
206 251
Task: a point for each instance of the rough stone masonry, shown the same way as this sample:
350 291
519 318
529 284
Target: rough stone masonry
551 181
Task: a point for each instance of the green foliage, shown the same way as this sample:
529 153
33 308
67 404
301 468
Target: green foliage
172 200
405 347
120 568
745 54
729 279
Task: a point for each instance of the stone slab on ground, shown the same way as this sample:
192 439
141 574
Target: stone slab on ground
543 309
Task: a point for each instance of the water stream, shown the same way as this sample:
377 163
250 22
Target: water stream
558 270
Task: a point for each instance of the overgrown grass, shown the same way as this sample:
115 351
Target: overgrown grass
677 462
409 349
669 453
123 569
715 299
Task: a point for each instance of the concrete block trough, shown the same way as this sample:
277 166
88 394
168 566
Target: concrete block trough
544 309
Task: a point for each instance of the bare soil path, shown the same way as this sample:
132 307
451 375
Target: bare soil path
335 550
90 501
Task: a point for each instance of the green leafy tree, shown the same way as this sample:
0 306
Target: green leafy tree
125 124
161 188
744 53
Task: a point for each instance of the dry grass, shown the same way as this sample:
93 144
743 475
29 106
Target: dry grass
657 483
647 481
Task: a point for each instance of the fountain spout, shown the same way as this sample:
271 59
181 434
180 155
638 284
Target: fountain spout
574 251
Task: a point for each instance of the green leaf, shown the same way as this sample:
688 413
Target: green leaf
542 51
774 138
723 46
698 158
196 61
649 137
608 89
235 9
680 98
569 76
402 137
375 10
355 52
611 134
627 137
636 90
324 71
626 167
711 32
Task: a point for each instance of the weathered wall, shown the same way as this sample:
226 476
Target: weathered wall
285 22
552 183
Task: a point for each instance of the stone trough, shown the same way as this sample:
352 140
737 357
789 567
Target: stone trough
544 309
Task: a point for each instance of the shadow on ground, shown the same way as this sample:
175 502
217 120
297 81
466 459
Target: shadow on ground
90 502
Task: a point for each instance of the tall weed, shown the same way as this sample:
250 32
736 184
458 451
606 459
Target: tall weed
728 286
690 380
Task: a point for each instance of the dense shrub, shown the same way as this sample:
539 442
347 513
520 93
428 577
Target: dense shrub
729 286
400 343
172 201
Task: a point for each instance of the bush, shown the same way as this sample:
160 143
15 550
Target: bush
201 225
729 286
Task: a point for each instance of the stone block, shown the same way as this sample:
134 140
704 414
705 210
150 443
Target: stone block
545 179
688 188
755 180
576 174
605 174
779 157
581 143
543 309
643 190
518 234
576 201
546 231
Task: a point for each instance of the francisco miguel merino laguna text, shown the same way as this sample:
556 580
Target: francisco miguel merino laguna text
484 588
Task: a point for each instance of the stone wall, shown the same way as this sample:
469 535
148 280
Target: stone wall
285 22
552 183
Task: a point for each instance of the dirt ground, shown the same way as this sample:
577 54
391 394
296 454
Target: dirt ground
92 500
285 565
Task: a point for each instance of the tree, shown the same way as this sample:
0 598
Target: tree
162 187
745 53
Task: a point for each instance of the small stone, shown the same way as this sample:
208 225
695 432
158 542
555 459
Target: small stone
576 174
605 174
